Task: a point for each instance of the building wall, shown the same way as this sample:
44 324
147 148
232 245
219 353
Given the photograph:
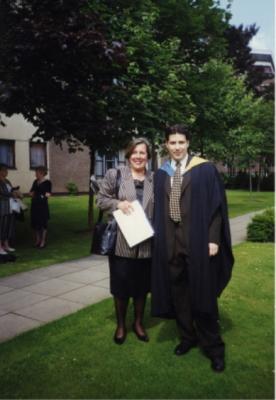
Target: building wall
67 167
21 131
63 166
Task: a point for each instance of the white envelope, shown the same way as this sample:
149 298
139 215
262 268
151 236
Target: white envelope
135 227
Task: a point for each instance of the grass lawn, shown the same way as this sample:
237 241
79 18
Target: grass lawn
69 237
75 357
241 202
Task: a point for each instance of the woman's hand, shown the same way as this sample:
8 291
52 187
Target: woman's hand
213 249
125 206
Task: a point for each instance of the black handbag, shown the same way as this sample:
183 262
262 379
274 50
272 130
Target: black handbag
105 233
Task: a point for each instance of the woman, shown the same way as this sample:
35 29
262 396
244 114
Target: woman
40 192
7 217
129 267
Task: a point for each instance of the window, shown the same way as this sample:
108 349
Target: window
110 162
103 163
7 153
38 155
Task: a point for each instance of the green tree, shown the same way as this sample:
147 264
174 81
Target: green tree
262 123
152 91
230 123
58 69
252 140
198 24
240 53
220 100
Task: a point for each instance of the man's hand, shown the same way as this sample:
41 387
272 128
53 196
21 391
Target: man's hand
213 249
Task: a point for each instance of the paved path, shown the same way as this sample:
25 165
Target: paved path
31 299
238 227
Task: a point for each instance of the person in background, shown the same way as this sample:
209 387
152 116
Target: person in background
7 217
130 268
40 192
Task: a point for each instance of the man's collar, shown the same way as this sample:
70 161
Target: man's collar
183 162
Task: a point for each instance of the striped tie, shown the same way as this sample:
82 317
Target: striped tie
175 195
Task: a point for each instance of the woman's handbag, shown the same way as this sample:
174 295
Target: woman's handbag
105 233
104 238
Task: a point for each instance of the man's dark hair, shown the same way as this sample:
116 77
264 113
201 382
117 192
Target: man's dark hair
178 128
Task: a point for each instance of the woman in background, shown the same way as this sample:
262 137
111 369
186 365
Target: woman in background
129 267
40 192
7 216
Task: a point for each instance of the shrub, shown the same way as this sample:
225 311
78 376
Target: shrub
72 188
261 229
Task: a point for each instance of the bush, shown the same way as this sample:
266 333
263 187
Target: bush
261 229
72 188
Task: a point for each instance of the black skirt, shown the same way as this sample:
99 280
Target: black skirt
129 277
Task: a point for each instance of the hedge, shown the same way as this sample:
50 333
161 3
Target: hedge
261 229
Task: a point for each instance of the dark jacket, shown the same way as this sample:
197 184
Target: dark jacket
202 200
5 196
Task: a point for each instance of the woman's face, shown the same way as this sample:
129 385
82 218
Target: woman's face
139 157
39 174
3 173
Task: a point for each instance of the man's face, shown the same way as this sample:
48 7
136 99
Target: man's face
177 146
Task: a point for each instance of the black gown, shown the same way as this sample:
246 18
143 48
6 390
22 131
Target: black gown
208 276
130 277
39 206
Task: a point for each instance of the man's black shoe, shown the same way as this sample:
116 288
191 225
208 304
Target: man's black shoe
183 348
218 364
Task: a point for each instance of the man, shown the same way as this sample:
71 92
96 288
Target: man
192 259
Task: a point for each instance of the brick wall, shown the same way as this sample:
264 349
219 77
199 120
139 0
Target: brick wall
67 167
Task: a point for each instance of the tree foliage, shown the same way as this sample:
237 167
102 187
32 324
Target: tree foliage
153 85
199 25
239 52
57 68
98 72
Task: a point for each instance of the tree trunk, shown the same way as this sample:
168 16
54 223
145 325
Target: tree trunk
91 218
250 179
259 175
201 148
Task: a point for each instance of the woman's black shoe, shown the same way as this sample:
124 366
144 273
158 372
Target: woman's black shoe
143 338
120 339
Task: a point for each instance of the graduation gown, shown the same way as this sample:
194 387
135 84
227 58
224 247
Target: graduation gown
208 276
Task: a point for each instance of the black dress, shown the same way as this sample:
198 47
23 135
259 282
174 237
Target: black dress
130 277
39 206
